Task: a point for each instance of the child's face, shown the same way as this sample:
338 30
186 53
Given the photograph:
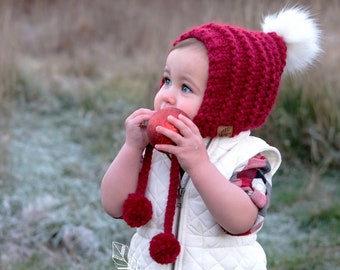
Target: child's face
185 80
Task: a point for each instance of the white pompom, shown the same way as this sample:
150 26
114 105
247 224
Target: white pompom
300 33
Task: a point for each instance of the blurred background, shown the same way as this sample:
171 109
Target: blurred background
71 71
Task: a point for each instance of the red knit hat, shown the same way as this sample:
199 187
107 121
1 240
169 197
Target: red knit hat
245 69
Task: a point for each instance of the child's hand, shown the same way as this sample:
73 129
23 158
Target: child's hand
190 147
136 135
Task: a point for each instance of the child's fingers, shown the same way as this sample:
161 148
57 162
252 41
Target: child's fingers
172 135
186 127
139 117
188 122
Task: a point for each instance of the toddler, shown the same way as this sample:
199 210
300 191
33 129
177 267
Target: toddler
199 203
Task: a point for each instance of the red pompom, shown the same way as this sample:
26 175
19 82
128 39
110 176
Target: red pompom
137 210
164 248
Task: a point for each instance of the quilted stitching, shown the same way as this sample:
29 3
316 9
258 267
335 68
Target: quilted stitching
202 244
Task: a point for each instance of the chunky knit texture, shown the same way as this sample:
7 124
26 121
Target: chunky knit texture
245 69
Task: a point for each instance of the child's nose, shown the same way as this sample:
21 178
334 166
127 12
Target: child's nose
169 96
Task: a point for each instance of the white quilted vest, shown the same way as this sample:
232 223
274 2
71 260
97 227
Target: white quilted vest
204 245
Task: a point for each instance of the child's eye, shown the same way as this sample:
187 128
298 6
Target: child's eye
186 89
167 81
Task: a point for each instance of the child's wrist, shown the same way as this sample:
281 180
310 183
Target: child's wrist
199 168
132 148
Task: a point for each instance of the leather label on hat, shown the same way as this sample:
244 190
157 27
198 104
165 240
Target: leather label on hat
225 131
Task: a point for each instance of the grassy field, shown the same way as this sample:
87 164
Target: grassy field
71 71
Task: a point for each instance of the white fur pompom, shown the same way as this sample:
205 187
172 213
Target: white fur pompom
300 33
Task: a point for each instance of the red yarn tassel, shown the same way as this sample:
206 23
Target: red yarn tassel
137 209
164 247
172 196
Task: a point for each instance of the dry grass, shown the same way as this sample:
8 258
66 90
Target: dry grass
87 38
8 67
68 44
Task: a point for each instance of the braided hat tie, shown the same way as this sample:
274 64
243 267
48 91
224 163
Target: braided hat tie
137 211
